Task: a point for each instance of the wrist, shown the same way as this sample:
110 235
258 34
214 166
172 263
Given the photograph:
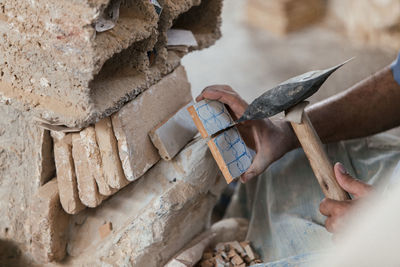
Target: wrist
290 139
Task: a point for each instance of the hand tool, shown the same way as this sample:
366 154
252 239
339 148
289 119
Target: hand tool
290 97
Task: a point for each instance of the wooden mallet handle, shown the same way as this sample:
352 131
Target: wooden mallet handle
315 152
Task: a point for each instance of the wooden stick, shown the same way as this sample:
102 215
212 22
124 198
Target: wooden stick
320 163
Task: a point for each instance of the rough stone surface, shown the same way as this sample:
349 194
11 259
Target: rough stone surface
93 157
48 224
136 119
87 187
112 167
21 171
66 178
80 75
152 218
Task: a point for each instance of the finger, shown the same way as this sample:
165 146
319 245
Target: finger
350 184
326 207
230 98
256 168
330 207
216 88
330 224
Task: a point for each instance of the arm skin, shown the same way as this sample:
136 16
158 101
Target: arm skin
369 107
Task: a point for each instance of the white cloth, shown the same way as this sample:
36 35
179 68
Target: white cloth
283 203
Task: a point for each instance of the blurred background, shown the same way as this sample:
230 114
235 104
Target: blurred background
266 42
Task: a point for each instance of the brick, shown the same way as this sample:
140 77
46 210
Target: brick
136 119
170 136
231 154
66 178
87 187
237 260
93 157
112 167
48 224
249 252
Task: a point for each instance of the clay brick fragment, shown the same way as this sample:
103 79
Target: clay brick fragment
237 260
112 167
249 252
48 224
137 118
66 178
93 157
87 187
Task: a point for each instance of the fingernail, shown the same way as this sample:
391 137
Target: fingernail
341 168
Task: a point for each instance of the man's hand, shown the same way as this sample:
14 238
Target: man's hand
336 211
270 140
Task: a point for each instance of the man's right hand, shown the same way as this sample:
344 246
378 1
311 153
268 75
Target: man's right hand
270 139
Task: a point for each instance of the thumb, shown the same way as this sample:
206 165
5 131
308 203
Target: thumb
348 183
258 166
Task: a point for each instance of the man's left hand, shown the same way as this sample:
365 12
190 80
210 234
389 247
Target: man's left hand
336 211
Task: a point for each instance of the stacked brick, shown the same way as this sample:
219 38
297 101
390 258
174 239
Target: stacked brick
96 162
115 86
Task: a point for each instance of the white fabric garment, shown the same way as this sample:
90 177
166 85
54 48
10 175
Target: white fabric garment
283 203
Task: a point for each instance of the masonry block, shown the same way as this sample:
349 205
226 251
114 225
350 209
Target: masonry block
66 178
93 158
112 167
87 186
136 119
48 224
156 215
82 75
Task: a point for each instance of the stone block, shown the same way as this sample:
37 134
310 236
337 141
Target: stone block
66 178
112 167
170 136
87 187
156 215
82 75
48 224
93 158
136 119
24 167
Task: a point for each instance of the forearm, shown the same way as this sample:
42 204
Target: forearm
369 107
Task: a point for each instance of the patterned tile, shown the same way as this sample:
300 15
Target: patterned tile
237 156
214 116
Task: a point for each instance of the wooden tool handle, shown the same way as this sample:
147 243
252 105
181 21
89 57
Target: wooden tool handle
320 163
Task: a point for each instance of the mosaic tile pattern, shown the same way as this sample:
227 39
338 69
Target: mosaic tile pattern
237 156
214 115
